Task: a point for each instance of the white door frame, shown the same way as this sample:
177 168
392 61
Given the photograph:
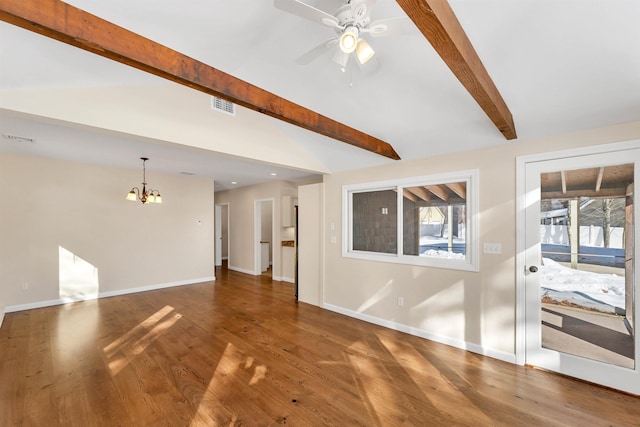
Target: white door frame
219 231
218 235
521 200
257 232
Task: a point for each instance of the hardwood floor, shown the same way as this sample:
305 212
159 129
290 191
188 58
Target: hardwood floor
241 351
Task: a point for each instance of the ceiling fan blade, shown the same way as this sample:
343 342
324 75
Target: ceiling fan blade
360 9
391 27
341 58
303 10
314 53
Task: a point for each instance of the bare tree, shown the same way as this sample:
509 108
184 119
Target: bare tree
606 221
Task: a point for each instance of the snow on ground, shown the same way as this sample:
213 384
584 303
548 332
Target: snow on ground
597 291
432 240
441 254
602 292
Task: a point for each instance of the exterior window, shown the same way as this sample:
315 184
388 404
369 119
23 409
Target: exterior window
428 220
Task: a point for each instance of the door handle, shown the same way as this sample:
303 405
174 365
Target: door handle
533 269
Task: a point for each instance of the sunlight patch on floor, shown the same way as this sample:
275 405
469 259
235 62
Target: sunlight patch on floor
223 382
124 349
410 360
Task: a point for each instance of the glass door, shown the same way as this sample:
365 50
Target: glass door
580 283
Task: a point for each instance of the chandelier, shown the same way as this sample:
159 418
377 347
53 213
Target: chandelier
145 196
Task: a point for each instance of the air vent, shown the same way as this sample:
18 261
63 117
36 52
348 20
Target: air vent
223 105
18 138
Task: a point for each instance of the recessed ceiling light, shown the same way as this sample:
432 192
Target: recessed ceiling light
273 174
234 182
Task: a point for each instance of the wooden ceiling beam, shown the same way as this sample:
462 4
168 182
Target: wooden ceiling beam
420 192
408 194
439 192
599 180
459 189
68 24
437 22
604 193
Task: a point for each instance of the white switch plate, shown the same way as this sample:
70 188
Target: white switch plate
492 248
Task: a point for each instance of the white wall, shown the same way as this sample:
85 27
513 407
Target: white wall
51 204
465 309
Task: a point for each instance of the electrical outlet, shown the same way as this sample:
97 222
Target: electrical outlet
333 240
492 248
25 286
401 301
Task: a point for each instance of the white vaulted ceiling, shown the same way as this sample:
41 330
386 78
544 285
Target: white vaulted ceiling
560 66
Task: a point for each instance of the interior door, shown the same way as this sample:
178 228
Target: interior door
580 286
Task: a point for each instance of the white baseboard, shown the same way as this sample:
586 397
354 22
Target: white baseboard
285 279
60 301
1 316
242 270
474 348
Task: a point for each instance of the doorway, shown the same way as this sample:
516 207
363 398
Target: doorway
263 235
577 295
221 234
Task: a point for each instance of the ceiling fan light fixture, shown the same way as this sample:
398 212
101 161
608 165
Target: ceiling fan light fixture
349 39
364 51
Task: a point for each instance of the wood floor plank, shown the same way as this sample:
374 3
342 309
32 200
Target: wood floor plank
242 351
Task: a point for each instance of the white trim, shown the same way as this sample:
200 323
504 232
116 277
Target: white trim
581 151
464 345
520 261
472 259
1 316
60 301
243 270
284 279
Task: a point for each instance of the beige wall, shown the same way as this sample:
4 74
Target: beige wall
50 204
241 224
310 230
468 309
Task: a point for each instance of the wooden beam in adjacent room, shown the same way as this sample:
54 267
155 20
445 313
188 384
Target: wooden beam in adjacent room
437 22
63 22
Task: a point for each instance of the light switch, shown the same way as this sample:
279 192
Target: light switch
492 248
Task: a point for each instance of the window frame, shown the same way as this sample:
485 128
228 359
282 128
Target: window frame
472 255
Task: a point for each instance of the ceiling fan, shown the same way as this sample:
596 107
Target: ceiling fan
351 22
